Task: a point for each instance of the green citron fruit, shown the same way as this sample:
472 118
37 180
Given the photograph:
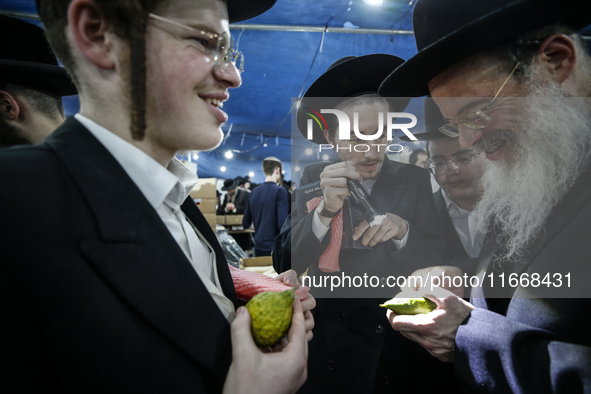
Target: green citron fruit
409 306
270 312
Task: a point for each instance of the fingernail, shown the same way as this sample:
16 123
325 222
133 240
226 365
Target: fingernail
240 311
289 281
355 238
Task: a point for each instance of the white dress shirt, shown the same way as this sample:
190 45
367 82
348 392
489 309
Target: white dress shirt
166 189
466 227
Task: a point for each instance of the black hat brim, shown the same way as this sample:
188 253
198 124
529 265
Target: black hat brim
38 76
495 28
239 10
232 186
353 77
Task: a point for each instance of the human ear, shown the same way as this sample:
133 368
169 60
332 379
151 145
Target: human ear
92 33
558 56
9 107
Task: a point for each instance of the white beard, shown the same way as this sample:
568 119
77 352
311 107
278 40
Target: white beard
552 145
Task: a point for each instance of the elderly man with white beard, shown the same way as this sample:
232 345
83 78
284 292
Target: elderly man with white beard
512 78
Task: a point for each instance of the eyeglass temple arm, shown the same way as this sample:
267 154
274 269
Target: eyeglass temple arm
502 86
177 24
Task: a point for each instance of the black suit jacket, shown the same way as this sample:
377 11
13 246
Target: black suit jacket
239 203
354 349
534 338
95 294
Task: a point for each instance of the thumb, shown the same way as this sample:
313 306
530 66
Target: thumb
439 295
242 342
289 277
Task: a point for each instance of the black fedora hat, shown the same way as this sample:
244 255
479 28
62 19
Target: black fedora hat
433 121
239 10
26 59
348 77
447 32
229 184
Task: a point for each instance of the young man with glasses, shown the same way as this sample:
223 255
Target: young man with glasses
514 83
458 171
114 281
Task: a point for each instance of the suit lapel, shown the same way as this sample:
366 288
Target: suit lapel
485 259
384 192
197 218
452 242
138 256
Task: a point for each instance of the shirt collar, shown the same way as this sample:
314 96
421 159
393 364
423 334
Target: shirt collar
452 206
154 181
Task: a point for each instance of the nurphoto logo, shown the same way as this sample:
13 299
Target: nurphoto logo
344 127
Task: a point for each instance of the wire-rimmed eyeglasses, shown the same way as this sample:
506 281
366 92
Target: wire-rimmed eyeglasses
219 45
476 119
438 167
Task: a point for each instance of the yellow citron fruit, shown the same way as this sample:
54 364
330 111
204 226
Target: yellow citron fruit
270 312
409 306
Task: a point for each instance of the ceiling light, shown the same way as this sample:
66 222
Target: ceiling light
229 154
223 168
374 3
308 151
251 174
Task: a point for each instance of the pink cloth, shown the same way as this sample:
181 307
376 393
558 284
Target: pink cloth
329 261
248 284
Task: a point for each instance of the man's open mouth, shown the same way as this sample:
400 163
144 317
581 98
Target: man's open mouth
213 101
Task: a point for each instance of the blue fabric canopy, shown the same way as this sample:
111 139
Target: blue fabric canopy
280 66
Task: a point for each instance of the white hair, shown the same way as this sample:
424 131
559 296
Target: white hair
551 149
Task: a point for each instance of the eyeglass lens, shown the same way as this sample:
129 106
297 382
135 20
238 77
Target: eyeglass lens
439 167
478 119
224 53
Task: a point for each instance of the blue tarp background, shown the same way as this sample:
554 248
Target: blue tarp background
280 65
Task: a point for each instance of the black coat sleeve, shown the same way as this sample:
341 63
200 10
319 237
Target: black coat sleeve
241 201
